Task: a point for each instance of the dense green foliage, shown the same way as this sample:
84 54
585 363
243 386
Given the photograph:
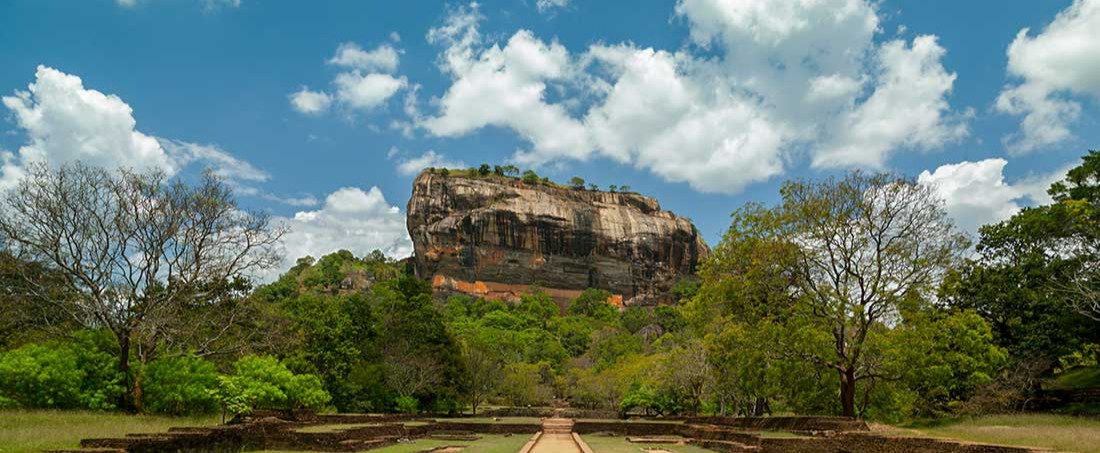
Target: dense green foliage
75 374
852 295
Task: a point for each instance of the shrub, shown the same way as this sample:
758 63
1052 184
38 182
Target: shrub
530 177
407 404
41 376
263 382
59 375
181 385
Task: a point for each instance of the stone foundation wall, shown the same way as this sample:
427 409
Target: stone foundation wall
792 424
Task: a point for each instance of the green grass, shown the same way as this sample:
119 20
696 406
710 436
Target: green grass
346 426
610 444
1059 432
24 431
487 444
502 420
1077 378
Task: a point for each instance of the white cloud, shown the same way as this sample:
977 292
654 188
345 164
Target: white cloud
350 219
65 122
310 102
208 5
426 160
548 6
505 88
908 108
976 194
383 58
218 160
367 85
1051 67
722 141
366 92
779 77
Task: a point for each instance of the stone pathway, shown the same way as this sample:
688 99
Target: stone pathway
557 437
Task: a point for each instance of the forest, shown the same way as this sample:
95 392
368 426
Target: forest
854 295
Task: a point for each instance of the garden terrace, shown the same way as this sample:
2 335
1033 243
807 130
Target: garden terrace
332 433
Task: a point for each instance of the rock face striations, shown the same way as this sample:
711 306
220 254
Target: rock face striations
495 237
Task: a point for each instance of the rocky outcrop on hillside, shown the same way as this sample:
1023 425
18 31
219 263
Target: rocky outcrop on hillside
495 237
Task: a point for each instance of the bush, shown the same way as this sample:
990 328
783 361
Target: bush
262 382
59 375
181 386
530 177
407 404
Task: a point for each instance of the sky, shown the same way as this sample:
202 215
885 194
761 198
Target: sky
321 113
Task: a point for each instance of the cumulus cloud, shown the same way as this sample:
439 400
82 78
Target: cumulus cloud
1051 68
976 194
365 85
383 58
775 78
908 108
65 122
309 102
429 159
350 219
722 140
505 87
368 91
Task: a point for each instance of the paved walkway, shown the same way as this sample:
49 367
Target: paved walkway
557 437
556 443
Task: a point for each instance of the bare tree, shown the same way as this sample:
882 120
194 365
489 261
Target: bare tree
409 371
139 249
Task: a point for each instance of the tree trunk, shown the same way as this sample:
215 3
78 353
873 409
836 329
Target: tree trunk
848 392
760 407
125 400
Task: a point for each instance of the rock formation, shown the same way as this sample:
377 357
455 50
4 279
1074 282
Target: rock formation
495 237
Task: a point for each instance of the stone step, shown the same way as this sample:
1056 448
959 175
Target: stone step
729 446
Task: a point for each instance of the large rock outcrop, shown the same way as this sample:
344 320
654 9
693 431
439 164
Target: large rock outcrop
495 237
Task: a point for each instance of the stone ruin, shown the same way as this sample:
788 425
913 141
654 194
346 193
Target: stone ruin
284 431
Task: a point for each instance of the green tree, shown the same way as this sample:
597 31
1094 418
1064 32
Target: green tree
530 177
594 303
484 170
839 256
1035 277
576 183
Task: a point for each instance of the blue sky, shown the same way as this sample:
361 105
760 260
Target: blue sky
319 111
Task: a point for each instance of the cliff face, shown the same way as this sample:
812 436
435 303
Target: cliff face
495 237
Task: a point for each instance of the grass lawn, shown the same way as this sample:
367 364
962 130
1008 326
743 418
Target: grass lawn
32 431
611 444
1060 432
502 420
346 426
487 444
